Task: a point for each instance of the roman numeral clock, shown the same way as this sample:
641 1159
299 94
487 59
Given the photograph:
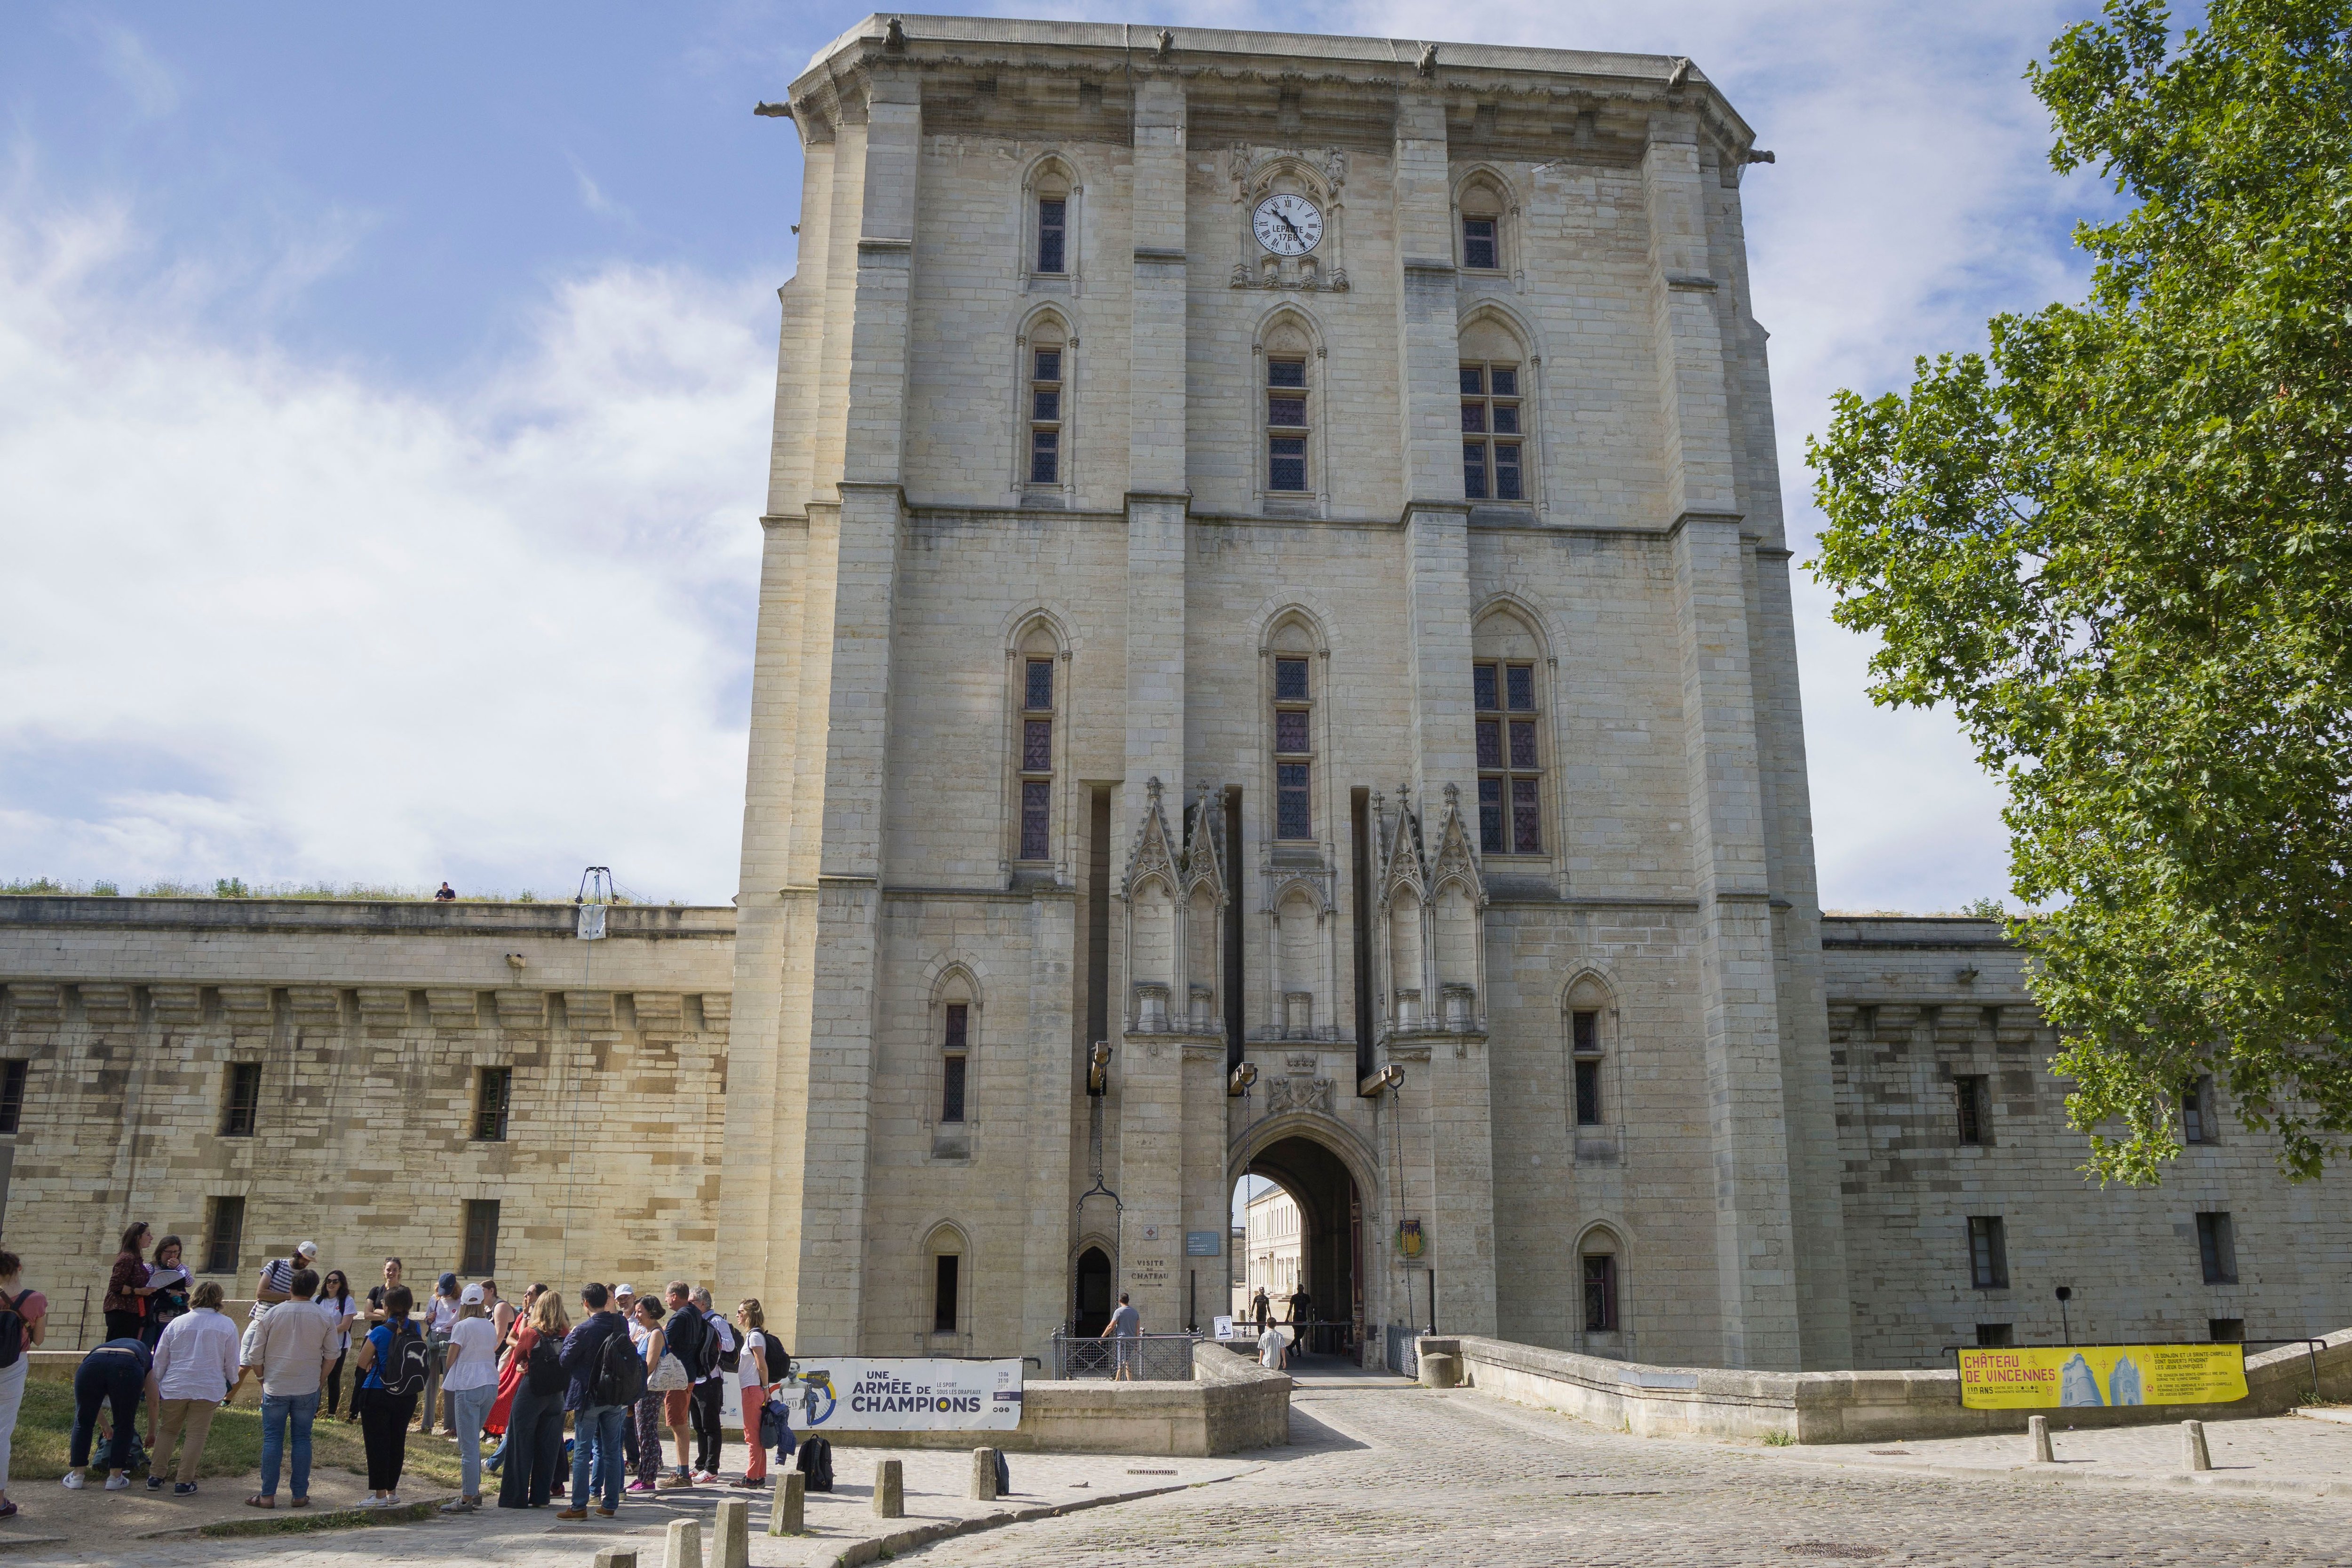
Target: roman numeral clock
1289 223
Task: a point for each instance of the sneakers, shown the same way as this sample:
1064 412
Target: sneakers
705 1478
641 1486
76 1481
179 1488
462 1505
749 1484
606 1513
155 1483
117 1483
574 1513
393 1502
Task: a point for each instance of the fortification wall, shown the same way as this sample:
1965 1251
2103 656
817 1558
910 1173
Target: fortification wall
371 1026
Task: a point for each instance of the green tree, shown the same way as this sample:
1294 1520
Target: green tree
2119 545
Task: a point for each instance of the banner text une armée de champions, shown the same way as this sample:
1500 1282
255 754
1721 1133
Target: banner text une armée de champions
847 1394
2085 1375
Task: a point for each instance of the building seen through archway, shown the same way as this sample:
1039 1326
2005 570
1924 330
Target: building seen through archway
1304 1245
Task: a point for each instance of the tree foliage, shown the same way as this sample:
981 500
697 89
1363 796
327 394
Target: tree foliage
2119 545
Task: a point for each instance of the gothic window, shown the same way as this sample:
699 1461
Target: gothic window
1584 1040
1053 233
1046 395
1036 749
955 1057
945 1248
1481 207
1600 1292
1510 809
1286 423
1294 750
1051 221
1493 453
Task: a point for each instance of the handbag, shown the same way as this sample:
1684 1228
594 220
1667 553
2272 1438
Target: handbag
669 1375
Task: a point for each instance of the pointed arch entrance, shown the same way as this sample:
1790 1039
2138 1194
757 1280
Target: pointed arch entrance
1328 1258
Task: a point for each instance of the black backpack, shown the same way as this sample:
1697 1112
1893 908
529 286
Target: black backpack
402 1372
544 1369
730 1359
12 1332
817 1464
1003 1475
699 1352
620 1371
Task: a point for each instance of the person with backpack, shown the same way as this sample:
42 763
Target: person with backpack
392 1379
688 1338
534 1445
24 1319
663 1373
710 1391
607 1378
751 1376
470 1378
168 1284
195 1363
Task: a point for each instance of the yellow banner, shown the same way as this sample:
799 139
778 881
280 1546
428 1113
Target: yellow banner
2102 1374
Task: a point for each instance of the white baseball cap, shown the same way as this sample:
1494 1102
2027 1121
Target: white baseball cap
623 1290
309 1249
472 1298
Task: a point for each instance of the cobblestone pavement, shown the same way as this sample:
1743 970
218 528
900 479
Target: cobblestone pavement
935 1484
1379 1477
2282 1449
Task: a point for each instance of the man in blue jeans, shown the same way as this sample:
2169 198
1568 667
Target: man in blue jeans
292 1345
595 1428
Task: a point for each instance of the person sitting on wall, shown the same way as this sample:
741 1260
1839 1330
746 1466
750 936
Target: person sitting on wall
447 895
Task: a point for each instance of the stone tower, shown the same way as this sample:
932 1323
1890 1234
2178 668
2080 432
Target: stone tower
1274 563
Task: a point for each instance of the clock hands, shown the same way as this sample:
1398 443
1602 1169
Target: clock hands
1290 226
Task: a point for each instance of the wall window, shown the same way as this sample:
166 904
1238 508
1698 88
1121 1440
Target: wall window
955 1059
2226 1331
1510 814
493 1090
2217 1249
1969 1091
241 1105
12 1095
1600 1292
1286 425
1988 1253
224 1235
1584 1031
1037 759
1047 389
1995 1336
1053 233
1482 246
947 1269
2197 1111
481 1254
1491 451
1294 814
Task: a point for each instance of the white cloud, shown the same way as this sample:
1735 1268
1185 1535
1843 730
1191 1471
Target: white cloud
123 54
593 197
263 618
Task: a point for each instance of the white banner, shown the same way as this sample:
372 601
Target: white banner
902 1395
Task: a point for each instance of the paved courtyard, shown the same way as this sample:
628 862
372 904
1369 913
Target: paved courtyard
1382 1473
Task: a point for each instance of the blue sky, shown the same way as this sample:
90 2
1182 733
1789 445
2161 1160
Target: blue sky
384 400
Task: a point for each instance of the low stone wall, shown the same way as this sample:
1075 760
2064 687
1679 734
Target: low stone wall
1230 1405
1834 1407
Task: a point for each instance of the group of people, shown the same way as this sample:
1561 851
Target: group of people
469 1360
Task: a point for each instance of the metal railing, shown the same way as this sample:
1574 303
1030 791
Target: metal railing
1149 1358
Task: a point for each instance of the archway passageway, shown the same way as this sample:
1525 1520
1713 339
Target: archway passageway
1091 1312
1303 1245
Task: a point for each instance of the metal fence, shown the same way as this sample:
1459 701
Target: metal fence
1404 1350
1151 1358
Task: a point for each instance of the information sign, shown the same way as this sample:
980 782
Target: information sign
2049 1379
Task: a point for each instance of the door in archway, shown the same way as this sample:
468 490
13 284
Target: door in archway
1323 1258
1093 1313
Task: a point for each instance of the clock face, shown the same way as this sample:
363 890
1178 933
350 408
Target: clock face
1287 224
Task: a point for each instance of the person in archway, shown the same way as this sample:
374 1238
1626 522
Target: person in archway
1261 1309
1302 1317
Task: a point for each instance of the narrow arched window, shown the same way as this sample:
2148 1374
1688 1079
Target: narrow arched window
1050 236
1294 747
1048 402
1493 444
955 1059
1584 1046
1482 228
1286 422
1036 759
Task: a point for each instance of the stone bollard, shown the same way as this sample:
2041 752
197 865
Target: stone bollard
684 1548
983 1474
2194 1455
1438 1371
788 1515
730 1534
616 1557
2037 1438
889 1488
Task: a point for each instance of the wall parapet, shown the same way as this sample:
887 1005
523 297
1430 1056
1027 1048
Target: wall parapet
405 917
1834 1407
